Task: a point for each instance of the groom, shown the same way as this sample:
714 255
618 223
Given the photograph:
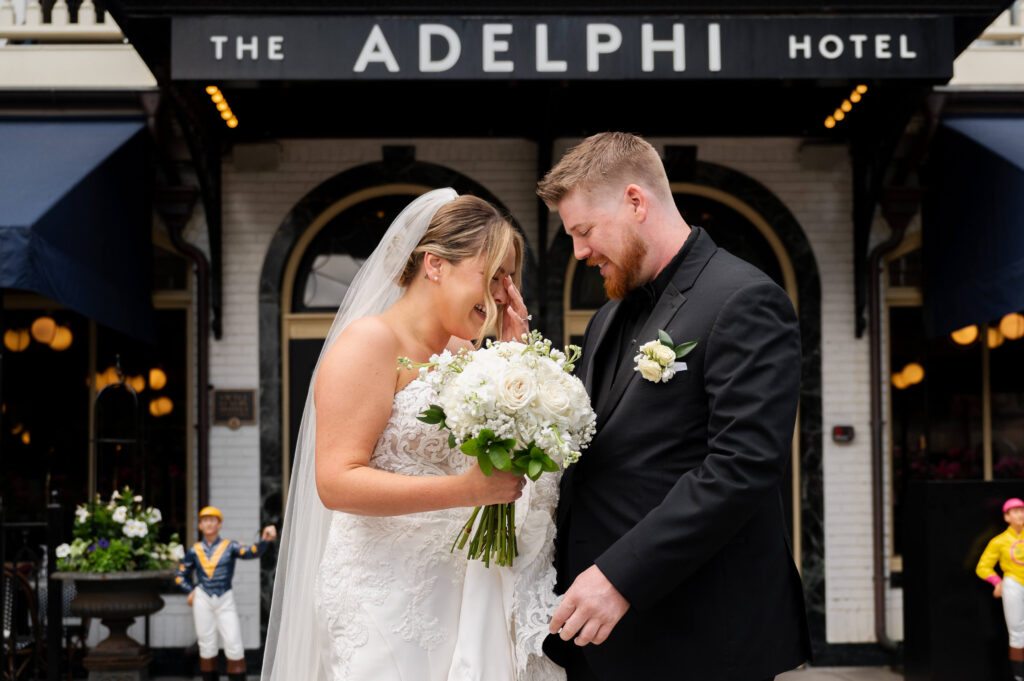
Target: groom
671 549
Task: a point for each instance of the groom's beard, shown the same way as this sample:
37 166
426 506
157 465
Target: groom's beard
625 275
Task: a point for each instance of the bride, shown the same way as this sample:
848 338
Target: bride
366 587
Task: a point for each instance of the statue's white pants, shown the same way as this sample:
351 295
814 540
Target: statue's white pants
213 615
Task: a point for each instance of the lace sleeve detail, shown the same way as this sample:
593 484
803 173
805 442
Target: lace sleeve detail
534 598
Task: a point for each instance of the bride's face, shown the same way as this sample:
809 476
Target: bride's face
463 301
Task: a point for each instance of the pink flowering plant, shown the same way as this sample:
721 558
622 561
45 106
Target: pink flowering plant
117 536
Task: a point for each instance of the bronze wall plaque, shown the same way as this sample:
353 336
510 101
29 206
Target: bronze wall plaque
234 408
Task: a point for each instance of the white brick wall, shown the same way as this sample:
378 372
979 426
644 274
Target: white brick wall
816 190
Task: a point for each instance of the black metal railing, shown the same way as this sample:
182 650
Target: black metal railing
30 600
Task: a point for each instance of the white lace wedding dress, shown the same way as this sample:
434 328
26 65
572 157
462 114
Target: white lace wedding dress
393 603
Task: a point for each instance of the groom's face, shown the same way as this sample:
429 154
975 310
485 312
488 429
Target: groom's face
604 235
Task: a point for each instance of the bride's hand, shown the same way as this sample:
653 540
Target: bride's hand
497 488
516 318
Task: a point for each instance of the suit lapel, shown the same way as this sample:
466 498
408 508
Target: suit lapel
664 310
595 347
625 373
591 351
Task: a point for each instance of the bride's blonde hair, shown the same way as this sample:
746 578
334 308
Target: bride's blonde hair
467 227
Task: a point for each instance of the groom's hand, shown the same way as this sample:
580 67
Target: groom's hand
591 607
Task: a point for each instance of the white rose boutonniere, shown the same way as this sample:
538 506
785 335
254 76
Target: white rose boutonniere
656 360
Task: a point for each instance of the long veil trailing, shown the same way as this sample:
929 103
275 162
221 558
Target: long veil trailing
293 646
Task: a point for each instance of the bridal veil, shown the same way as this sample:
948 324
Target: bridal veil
293 644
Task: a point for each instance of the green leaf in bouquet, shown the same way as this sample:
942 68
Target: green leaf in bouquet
434 414
534 469
485 465
499 457
684 349
451 440
472 447
665 338
549 464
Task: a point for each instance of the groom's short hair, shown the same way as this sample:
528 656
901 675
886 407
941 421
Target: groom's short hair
602 160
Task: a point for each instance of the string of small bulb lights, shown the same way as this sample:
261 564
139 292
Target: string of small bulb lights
846 106
217 97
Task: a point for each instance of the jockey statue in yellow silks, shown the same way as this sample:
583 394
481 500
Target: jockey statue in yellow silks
1007 549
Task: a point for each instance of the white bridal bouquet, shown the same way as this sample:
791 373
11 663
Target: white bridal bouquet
515 407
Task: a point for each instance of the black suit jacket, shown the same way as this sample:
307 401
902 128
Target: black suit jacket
677 498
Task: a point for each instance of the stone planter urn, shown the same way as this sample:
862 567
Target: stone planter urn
117 598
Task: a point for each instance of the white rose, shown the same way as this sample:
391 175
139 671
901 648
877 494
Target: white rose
664 355
63 551
555 399
648 347
120 514
177 552
154 515
649 369
516 389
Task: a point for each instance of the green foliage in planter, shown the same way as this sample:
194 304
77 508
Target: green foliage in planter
117 536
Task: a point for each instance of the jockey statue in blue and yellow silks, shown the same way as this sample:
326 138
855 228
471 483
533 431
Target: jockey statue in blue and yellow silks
212 560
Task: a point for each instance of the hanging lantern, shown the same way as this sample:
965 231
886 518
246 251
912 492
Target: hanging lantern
995 337
138 383
966 335
913 373
898 381
61 339
43 330
1012 325
157 379
16 340
26 437
161 406
107 377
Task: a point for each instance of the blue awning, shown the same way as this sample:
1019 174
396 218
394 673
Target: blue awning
974 223
75 218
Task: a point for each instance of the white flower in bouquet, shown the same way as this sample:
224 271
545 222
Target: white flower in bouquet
63 551
81 514
120 514
177 552
153 515
516 388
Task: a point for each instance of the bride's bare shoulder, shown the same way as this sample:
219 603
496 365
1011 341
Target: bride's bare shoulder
366 345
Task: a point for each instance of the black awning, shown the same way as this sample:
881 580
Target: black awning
974 223
75 220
